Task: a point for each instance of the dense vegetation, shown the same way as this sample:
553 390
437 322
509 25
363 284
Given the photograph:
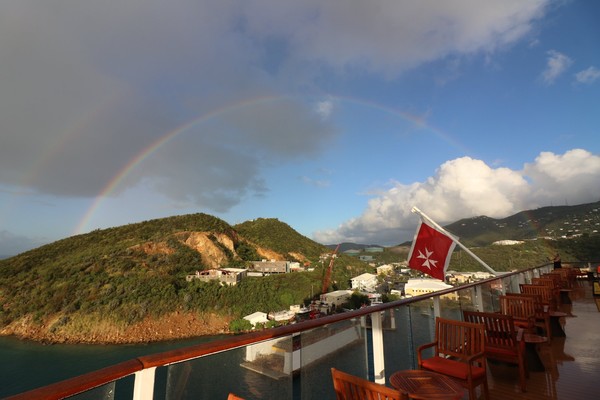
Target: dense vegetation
106 276
279 237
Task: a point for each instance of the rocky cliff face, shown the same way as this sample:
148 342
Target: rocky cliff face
212 255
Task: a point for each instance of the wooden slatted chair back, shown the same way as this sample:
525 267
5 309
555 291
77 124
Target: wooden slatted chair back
521 308
500 329
503 342
542 317
351 387
458 352
560 276
545 293
459 339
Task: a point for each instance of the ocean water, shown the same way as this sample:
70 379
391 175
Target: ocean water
26 365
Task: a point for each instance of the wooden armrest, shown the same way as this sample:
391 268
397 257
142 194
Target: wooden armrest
420 350
474 357
426 346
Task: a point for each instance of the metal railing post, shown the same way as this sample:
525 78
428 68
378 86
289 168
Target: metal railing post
143 388
378 350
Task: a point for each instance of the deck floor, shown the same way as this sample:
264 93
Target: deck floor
572 363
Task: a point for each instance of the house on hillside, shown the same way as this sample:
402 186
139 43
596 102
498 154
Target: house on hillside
257 317
227 276
365 282
336 298
265 267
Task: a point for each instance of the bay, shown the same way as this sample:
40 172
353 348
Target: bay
27 365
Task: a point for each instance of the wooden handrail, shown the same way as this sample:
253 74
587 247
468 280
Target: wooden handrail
81 383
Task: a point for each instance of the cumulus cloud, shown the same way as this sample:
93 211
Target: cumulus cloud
88 87
557 63
588 76
466 187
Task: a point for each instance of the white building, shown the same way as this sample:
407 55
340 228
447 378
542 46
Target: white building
336 298
417 287
257 318
365 282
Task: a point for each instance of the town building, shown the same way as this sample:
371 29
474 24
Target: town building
257 317
227 276
266 267
365 283
417 287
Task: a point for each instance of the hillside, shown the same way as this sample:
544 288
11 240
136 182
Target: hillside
547 222
97 286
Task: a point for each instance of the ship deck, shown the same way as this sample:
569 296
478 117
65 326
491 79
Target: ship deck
572 363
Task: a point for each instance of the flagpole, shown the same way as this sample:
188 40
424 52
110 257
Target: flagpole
451 236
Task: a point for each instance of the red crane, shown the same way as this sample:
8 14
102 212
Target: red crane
327 276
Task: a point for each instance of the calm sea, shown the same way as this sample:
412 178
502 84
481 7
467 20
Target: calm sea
26 365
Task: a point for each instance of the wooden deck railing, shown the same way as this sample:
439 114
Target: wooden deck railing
144 367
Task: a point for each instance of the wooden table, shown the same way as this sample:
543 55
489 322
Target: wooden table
565 298
421 384
532 358
555 326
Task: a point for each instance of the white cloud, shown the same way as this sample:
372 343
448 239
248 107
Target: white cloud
556 65
588 76
324 108
466 187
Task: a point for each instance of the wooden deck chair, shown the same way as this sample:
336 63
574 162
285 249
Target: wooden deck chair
351 387
458 352
521 308
545 292
542 316
503 342
551 282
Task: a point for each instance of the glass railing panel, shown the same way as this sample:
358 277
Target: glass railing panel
104 392
342 345
398 342
490 291
466 299
422 322
254 371
121 389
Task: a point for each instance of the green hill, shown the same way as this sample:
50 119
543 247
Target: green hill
115 278
547 222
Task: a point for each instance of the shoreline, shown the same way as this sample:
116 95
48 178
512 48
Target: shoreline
174 326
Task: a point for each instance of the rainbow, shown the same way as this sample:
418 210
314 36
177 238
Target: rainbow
162 140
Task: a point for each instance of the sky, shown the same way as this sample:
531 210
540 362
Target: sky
335 117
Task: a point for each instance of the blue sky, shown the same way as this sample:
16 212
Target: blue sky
335 117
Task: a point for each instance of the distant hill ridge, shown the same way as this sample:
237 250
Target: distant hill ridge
550 222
